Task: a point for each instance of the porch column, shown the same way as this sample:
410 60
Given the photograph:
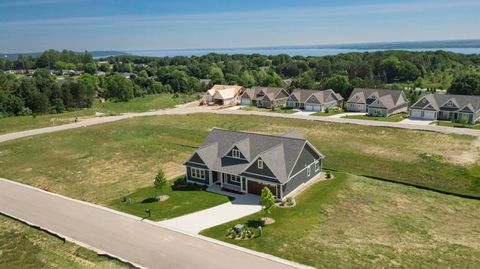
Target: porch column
210 178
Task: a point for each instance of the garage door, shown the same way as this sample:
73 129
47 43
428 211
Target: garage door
416 114
312 108
429 115
245 101
256 188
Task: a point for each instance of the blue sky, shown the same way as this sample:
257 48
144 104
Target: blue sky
36 25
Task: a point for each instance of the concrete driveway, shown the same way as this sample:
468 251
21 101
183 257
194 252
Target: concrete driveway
304 113
416 122
241 206
131 239
341 115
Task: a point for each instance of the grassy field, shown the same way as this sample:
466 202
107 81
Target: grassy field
457 125
354 222
21 123
393 118
277 110
142 104
330 113
139 104
181 202
106 162
24 247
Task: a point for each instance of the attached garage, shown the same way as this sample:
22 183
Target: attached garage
256 188
423 114
245 101
312 107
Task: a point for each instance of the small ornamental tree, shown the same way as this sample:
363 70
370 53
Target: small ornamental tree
160 182
267 200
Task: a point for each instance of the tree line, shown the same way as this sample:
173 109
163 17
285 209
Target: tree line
43 93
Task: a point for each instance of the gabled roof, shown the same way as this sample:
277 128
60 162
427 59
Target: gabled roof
389 98
224 91
323 95
278 152
270 92
436 100
303 94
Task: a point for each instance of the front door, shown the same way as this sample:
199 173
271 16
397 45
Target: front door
215 177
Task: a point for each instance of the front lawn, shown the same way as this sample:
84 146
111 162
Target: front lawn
393 118
457 125
355 222
182 201
277 110
22 246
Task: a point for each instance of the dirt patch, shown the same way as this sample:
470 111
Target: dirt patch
468 156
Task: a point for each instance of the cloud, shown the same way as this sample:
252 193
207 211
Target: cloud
224 18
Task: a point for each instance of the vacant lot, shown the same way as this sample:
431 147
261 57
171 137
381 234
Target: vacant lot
276 110
24 247
355 222
105 162
139 104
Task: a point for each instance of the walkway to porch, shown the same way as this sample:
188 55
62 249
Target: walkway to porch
240 206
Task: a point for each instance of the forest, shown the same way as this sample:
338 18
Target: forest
47 88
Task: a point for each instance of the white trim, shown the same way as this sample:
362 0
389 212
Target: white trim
197 173
259 163
316 165
290 178
298 157
454 101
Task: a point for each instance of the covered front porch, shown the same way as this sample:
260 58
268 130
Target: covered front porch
243 185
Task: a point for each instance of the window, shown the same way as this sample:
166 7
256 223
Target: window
260 164
317 166
236 153
198 173
308 171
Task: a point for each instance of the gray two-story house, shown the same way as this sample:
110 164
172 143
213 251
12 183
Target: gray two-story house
247 162
377 102
313 100
449 107
266 97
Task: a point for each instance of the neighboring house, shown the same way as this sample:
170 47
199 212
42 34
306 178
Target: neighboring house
223 94
375 102
127 75
313 100
247 162
447 107
267 97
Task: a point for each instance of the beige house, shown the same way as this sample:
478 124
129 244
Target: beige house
223 95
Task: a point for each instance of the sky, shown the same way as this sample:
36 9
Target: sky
37 25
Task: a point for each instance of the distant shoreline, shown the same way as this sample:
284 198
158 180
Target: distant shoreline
458 46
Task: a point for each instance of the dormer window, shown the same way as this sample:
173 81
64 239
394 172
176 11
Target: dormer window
450 103
236 153
260 164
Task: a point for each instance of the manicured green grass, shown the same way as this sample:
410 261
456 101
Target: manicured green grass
142 104
24 247
355 222
457 125
182 201
106 162
329 113
139 104
393 118
277 110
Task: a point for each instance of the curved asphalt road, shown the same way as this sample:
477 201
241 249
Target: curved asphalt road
190 110
143 243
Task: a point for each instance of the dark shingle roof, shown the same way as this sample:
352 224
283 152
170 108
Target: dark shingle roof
278 152
270 92
389 98
437 100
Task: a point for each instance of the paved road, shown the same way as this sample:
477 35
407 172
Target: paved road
189 110
242 206
140 242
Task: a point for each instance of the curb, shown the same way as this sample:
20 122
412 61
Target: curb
101 252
